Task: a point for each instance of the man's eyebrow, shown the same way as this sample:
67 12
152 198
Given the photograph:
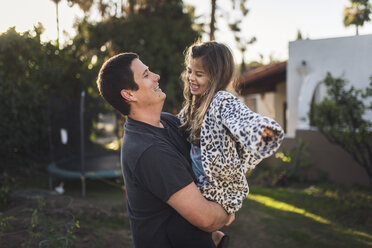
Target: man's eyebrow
145 71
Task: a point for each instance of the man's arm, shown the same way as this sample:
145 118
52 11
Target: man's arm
206 215
165 175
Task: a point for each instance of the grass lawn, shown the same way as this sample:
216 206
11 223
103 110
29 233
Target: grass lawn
301 216
322 216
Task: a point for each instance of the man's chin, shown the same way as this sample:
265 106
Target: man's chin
164 97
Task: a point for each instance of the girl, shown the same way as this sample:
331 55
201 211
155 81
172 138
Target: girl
226 137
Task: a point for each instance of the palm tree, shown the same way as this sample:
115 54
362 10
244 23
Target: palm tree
212 25
57 16
84 5
357 13
241 42
212 28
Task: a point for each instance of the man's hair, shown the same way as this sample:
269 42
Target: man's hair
115 75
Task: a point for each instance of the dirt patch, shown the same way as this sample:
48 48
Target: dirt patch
103 237
52 219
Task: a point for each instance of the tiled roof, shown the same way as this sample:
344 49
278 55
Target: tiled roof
261 79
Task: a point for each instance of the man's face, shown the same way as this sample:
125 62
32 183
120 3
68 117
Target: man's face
148 92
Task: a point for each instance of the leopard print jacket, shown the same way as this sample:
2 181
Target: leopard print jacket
231 144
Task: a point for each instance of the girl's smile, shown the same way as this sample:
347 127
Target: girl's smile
197 77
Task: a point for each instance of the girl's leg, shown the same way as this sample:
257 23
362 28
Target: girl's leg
217 236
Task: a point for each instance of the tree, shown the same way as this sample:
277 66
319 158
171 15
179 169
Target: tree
158 30
357 14
25 78
28 77
57 18
105 8
212 25
212 28
241 42
299 35
84 5
234 25
341 118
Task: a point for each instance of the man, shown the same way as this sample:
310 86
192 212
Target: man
155 161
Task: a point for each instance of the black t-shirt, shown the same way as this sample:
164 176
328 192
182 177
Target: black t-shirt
156 164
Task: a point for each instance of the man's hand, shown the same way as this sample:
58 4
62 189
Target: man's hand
206 215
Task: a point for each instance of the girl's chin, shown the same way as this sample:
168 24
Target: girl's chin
195 92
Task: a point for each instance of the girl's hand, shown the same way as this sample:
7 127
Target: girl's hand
231 219
267 133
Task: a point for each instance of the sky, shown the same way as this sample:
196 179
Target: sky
274 23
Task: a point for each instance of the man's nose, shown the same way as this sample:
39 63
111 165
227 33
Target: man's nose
156 77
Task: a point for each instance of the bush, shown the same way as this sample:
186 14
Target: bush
341 118
293 167
23 88
158 35
31 73
6 186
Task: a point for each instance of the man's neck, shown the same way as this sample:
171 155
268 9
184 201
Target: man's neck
149 116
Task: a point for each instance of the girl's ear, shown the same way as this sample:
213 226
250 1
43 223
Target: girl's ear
127 95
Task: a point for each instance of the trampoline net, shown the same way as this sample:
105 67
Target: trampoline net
64 115
66 151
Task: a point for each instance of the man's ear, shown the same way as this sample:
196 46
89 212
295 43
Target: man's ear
127 95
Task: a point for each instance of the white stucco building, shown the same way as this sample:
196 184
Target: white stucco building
308 64
284 91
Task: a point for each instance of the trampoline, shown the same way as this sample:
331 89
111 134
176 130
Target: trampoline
68 155
105 165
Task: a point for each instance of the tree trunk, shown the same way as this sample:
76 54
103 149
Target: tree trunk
213 20
131 6
357 29
242 65
57 16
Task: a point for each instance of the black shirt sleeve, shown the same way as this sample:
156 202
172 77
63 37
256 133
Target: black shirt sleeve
162 171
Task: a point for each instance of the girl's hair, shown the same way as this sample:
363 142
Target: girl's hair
218 64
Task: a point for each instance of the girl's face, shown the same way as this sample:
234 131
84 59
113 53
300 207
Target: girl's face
197 77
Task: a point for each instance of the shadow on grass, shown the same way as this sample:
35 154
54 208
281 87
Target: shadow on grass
283 217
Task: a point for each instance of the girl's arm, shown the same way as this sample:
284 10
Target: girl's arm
260 135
